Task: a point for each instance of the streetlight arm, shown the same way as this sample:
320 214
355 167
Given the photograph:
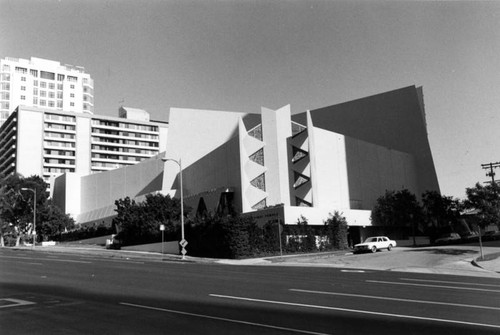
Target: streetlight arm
164 159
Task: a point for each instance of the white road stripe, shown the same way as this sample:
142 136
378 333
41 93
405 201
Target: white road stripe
448 282
401 316
395 299
16 303
438 286
224 319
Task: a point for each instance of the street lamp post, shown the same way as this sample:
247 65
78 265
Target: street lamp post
183 241
34 211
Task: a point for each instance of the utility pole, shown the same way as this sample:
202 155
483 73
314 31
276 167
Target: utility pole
491 173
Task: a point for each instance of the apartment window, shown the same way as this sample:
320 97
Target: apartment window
21 70
23 97
35 82
52 86
5 95
35 91
23 78
60 77
5 76
72 104
59 95
72 86
23 88
5 86
71 78
6 68
47 75
43 84
51 103
43 102
35 101
72 95
59 104
34 73
52 95
60 87
43 93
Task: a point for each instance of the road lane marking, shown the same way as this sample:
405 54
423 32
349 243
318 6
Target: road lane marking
401 316
356 271
224 319
15 303
438 286
448 282
395 299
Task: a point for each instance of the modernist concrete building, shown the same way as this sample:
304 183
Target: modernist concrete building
49 142
275 165
44 83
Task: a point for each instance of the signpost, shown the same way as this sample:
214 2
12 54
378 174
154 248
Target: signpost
183 244
162 228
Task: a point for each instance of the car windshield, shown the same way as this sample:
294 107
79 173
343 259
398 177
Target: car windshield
371 239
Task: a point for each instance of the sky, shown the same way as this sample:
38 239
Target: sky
244 55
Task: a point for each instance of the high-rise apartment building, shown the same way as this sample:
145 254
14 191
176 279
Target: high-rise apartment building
49 142
45 84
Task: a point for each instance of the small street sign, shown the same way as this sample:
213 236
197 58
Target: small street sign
183 243
183 252
162 227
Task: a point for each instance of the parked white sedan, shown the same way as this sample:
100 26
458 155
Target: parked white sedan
375 243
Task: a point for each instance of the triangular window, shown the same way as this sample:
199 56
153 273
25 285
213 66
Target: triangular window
256 132
259 182
258 157
260 205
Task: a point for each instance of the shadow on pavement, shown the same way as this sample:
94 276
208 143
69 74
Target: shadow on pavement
438 251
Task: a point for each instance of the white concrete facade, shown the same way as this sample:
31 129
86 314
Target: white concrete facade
47 143
45 84
278 167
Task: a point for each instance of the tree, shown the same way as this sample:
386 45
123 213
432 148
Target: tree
337 232
439 211
54 222
17 205
399 208
140 222
485 199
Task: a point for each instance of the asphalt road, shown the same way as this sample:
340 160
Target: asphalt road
44 293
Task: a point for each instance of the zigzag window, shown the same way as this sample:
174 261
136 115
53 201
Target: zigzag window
258 157
297 128
298 154
260 205
300 179
256 132
259 182
302 203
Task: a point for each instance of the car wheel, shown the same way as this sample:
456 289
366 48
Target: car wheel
374 249
389 248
